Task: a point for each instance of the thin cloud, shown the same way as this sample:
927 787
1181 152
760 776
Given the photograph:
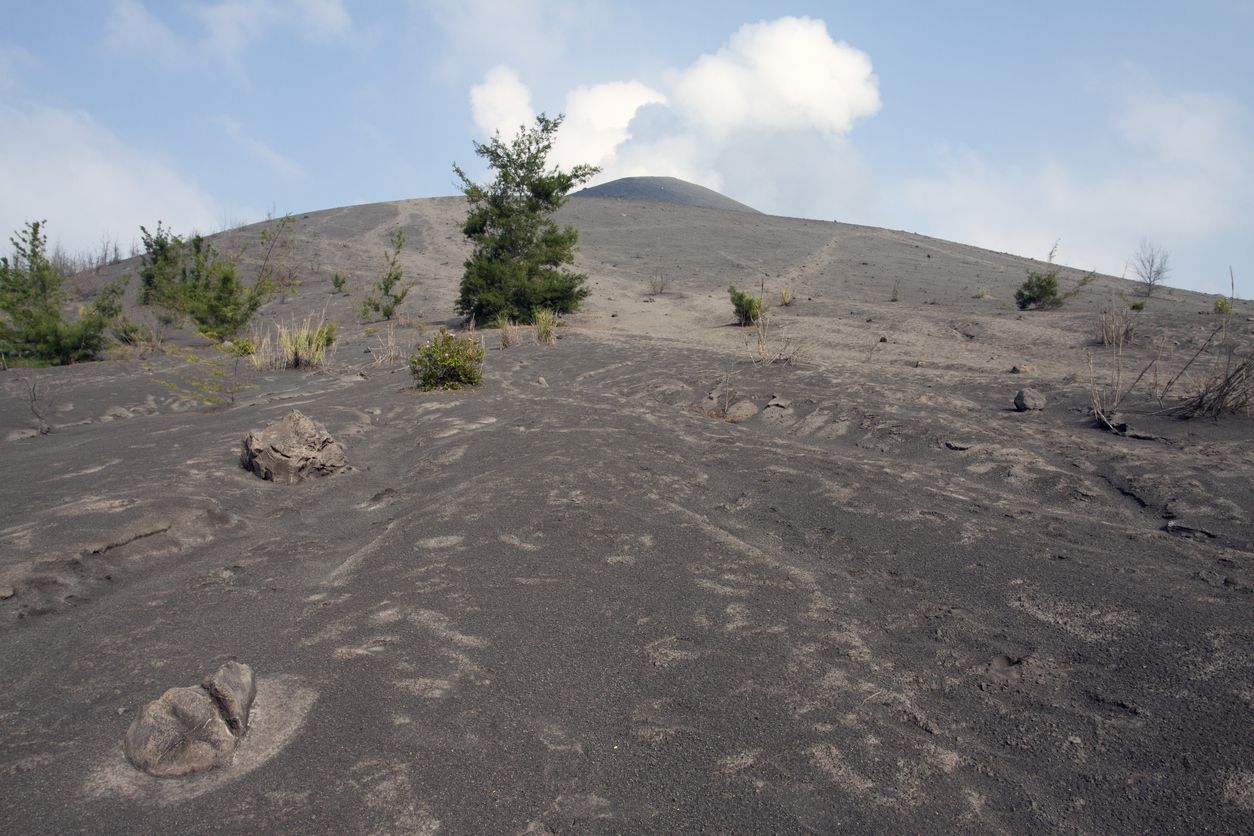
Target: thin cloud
63 166
1183 175
273 160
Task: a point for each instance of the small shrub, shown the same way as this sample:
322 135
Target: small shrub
1039 291
447 361
748 308
503 325
339 281
982 293
1223 306
546 326
1137 306
896 290
786 296
657 284
388 292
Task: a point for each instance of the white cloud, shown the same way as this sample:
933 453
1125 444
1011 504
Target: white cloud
62 166
787 74
1182 175
276 162
727 122
501 102
597 120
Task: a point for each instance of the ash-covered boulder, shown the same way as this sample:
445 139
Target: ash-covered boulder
292 450
233 689
1029 400
180 733
190 730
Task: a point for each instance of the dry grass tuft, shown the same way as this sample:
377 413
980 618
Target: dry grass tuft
305 345
505 327
546 326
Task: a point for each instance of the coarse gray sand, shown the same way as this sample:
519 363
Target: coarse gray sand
576 599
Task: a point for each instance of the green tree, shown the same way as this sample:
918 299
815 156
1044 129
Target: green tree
517 265
388 292
32 327
191 278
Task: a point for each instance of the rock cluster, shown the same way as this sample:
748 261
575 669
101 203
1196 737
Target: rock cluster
189 730
292 450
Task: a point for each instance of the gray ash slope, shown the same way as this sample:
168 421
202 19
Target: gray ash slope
887 602
664 190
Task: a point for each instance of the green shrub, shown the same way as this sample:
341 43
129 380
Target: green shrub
191 278
388 292
520 255
748 308
32 327
338 281
1223 306
1039 291
1137 306
546 326
447 361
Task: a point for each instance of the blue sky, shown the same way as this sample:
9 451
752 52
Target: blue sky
1006 125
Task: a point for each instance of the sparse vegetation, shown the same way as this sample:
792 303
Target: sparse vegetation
1041 288
387 351
520 255
304 345
38 397
190 278
1150 265
339 281
33 331
1116 325
657 284
1223 306
748 308
448 361
214 380
505 327
388 292
546 326
896 291
982 293
1137 306
786 296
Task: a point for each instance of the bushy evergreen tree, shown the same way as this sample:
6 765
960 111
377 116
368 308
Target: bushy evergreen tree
520 255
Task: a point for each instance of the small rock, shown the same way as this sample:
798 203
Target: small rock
883 339
6 592
1023 368
233 689
741 411
179 734
292 450
777 401
21 435
1029 399
542 382
957 445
